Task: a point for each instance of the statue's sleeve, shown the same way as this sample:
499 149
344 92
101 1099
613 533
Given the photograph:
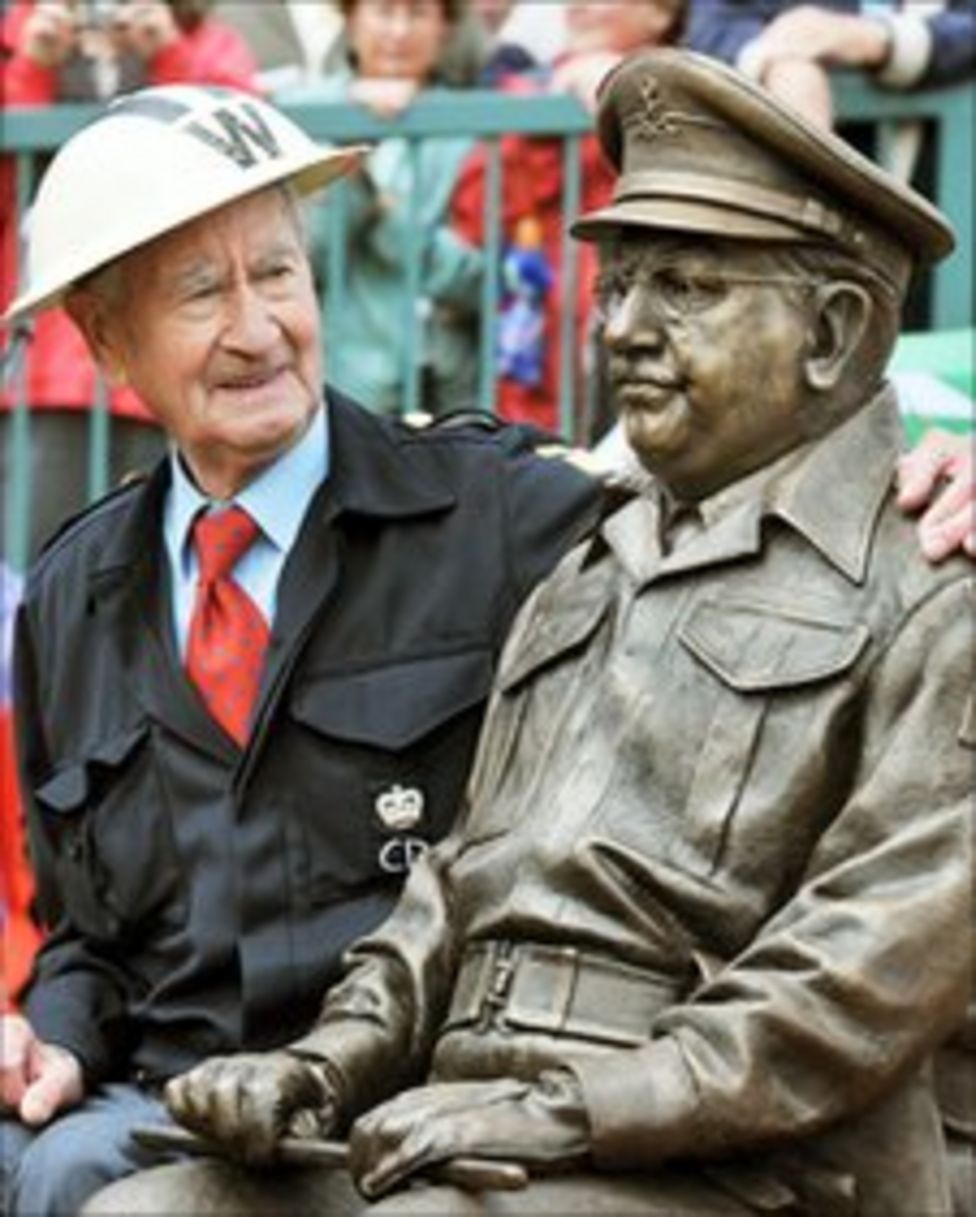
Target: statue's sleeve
377 1026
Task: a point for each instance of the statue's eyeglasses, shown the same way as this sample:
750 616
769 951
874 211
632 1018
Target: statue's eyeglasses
680 291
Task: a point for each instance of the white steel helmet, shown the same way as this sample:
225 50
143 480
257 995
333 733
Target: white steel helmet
154 160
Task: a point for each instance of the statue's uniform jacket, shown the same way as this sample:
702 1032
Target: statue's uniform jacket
201 896
743 768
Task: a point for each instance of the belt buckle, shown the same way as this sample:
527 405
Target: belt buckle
501 974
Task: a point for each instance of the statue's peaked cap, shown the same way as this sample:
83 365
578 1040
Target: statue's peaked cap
700 148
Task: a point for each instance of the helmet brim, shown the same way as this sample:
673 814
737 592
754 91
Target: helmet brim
321 170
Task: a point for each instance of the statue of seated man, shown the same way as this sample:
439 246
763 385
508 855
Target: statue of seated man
705 916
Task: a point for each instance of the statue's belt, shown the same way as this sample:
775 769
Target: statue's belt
558 990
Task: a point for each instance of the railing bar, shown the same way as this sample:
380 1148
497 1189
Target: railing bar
415 319
337 223
572 172
474 113
953 290
17 523
99 438
492 220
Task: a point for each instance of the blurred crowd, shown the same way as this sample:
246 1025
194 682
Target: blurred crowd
381 54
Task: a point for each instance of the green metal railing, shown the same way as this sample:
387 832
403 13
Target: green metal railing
948 114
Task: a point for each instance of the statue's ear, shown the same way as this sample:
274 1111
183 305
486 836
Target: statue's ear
841 315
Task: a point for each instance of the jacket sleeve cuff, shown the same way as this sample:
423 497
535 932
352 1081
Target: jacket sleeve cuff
60 1020
642 1105
351 1054
911 50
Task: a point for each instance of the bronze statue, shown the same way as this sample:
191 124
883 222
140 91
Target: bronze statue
706 914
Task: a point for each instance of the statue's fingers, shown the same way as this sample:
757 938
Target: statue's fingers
182 1095
246 1113
394 1149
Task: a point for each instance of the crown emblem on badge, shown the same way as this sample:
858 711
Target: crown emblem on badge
652 118
400 807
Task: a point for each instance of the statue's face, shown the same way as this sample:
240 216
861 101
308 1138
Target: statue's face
706 341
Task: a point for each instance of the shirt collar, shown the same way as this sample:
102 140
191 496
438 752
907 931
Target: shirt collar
829 489
276 500
833 497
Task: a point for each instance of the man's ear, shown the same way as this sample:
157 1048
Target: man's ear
841 315
100 328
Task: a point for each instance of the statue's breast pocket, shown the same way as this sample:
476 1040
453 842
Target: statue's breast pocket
780 684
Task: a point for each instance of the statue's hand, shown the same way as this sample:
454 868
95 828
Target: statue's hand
247 1103
544 1123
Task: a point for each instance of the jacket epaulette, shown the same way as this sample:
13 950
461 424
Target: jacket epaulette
512 437
454 420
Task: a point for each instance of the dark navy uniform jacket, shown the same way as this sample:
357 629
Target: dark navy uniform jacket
199 897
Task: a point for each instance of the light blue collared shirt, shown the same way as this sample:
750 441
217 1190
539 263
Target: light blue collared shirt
276 500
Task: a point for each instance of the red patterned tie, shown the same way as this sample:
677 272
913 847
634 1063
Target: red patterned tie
228 635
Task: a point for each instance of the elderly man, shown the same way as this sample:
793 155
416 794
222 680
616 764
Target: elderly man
227 778
707 912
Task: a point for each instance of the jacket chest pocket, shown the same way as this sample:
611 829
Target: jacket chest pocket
388 750
777 672
538 690
110 834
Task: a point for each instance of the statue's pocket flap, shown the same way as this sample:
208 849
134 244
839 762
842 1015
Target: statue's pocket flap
754 646
557 629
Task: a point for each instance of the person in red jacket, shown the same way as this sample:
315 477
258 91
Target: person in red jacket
20 934
77 51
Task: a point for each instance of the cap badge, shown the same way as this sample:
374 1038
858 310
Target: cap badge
653 118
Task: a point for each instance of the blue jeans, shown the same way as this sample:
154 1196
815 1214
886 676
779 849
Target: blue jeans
51 1171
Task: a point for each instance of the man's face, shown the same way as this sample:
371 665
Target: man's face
217 330
705 352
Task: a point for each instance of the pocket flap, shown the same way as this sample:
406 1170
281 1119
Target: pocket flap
393 706
68 789
557 627
753 646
